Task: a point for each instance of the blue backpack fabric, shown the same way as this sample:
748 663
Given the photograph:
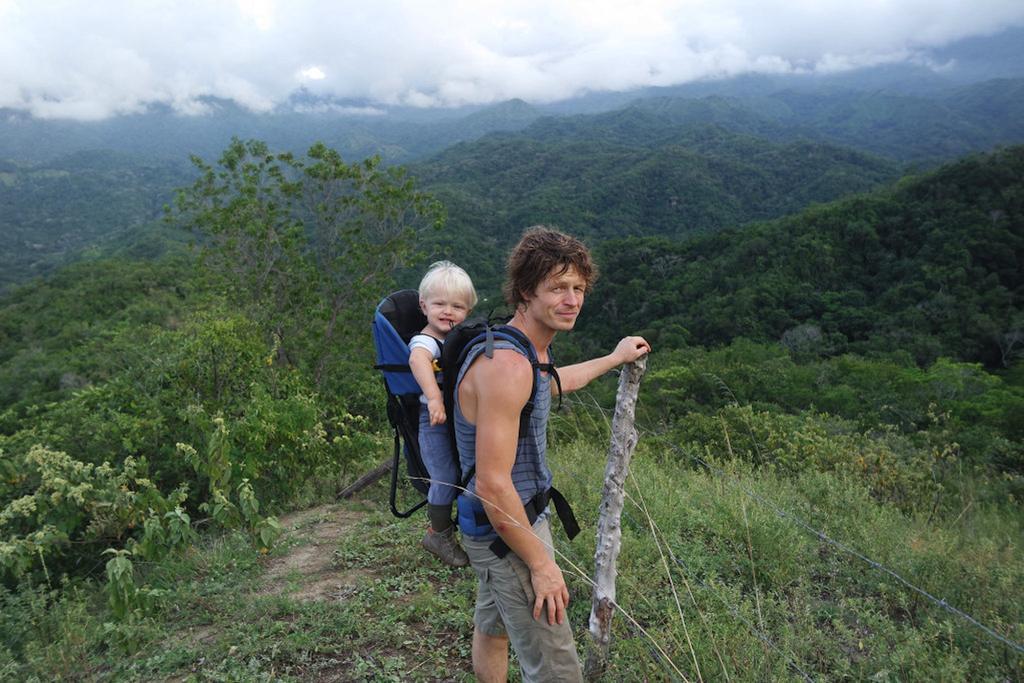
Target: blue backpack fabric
397 318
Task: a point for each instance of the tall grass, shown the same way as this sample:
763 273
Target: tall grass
714 574
771 601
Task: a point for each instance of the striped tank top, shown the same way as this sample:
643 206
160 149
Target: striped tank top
530 472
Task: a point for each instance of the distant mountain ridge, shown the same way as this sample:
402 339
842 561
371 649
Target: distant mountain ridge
933 266
901 127
937 127
357 132
591 183
359 127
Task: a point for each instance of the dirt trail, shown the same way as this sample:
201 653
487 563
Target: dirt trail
307 571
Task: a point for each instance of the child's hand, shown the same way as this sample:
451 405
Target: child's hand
435 407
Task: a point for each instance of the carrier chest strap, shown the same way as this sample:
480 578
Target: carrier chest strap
550 369
392 367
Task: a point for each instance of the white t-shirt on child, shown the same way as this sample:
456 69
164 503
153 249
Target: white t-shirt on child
425 341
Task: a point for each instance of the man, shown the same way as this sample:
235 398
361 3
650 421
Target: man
522 596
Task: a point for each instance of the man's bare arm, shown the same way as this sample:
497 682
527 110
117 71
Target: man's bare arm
579 375
502 386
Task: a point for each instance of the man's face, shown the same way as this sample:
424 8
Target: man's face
557 301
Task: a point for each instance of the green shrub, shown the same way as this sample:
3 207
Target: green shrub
68 508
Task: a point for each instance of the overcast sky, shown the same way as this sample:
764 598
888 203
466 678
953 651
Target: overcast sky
91 59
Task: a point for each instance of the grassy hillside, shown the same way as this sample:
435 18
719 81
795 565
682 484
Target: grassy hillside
722 586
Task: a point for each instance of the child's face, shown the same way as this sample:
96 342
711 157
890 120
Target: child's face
444 311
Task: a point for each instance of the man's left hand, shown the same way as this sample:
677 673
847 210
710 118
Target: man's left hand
630 349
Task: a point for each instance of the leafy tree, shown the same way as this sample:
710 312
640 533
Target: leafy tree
304 244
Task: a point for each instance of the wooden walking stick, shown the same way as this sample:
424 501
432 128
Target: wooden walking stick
609 530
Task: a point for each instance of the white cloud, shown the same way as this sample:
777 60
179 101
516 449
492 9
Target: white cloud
90 60
312 73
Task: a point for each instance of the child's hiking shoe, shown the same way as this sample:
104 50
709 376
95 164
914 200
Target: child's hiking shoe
444 545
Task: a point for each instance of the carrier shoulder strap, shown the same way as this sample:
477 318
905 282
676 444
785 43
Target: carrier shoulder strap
521 341
517 337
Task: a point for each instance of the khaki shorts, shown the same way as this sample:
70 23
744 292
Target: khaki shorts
504 606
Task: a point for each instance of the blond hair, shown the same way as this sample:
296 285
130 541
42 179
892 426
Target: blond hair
445 276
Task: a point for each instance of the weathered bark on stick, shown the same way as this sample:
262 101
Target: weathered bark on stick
369 478
609 531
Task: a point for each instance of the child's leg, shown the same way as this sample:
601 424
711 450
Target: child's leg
436 452
437 455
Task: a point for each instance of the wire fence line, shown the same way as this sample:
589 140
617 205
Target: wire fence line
661 540
733 610
789 516
821 535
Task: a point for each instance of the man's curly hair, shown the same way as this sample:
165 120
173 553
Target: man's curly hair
542 252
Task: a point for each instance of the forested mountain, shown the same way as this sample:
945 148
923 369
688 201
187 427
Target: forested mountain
931 267
50 212
356 129
962 120
660 166
671 162
909 128
688 180
610 176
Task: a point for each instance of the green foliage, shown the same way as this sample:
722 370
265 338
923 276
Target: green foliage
47 632
912 435
52 211
304 245
873 391
266 436
57 503
739 568
932 268
58 335
215 398
120 583
229 503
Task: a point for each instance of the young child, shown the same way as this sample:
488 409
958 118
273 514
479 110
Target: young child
446 298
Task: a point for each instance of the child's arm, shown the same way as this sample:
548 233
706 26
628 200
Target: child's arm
421 362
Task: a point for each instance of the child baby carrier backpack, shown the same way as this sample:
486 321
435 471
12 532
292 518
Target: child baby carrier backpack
460 341
398 317
396 321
